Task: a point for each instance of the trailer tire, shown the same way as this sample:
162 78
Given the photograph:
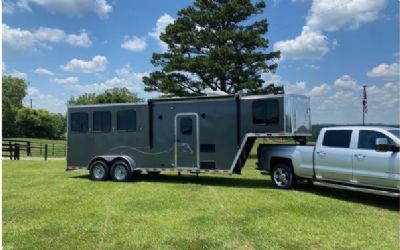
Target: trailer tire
99 171
120 171
282 176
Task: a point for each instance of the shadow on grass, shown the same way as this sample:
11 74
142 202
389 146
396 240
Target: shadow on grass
375 200
389 203
223 181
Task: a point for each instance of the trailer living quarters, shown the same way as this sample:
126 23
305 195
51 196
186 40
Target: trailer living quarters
196 134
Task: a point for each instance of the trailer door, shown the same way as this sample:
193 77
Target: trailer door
187 140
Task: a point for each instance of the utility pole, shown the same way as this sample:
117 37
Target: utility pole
31 102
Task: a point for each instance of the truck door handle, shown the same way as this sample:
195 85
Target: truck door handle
359 156
321 153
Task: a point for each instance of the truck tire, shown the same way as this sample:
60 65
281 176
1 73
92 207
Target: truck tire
120 171
99 171
282 176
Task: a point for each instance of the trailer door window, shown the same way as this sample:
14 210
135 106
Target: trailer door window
265 111
126 120
337 138
102 121
79 122
186 126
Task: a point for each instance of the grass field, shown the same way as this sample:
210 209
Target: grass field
45 207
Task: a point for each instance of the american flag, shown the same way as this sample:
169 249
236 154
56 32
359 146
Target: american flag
364 102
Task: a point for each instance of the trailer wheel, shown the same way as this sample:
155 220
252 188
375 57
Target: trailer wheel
99 171
120 171
282 176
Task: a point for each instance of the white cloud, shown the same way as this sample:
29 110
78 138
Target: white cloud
43 71
346 82
386 71
96 64
56 35
295 88
309 44
330 16
69 7
271 78
18 74
312 66
81 40
162 23
134 44
18 40
336 14
320 90
44 101
71 80
49 35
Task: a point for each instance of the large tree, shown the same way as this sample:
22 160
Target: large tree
13 92
214 45
115 95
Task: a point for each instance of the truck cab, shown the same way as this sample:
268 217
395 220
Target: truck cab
355 157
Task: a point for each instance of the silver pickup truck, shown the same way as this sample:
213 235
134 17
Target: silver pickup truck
357 158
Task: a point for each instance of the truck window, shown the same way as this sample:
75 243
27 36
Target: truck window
79 122
265 111
126 120
186 126
337 138
102 121
367 139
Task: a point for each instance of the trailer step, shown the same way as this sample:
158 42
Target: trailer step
360 189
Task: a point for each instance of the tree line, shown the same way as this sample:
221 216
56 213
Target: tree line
20 121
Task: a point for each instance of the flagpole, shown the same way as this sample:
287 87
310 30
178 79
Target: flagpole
364 102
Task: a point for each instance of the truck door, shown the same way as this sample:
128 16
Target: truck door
333 156
187 140
374 168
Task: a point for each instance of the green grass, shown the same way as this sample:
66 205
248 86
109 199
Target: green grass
45 207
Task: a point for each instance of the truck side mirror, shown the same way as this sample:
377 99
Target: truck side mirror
382 145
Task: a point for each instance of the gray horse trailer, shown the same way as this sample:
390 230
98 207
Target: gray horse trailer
195 134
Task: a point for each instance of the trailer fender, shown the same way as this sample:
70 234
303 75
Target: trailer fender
109 159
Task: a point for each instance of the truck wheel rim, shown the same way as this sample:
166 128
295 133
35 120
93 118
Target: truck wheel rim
281 177
120 173
98 171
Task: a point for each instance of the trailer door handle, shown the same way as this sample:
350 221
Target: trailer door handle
321 153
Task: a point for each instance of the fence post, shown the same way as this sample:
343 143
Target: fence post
10 149
45 152
16 151
65 149
28 148
53 149
40 148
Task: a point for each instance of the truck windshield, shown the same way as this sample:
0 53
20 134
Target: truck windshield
396 132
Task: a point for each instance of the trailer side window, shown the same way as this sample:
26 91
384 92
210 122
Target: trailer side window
337 138
265 111
126 120
79 122
102 121
186 126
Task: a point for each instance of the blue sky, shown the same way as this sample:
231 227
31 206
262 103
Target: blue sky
330 48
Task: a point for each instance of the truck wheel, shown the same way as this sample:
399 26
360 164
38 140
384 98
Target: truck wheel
99 171
120 171
282 176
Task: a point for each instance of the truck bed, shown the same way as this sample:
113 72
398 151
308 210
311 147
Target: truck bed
302 157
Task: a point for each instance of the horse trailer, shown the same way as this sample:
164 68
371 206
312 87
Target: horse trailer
195 134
